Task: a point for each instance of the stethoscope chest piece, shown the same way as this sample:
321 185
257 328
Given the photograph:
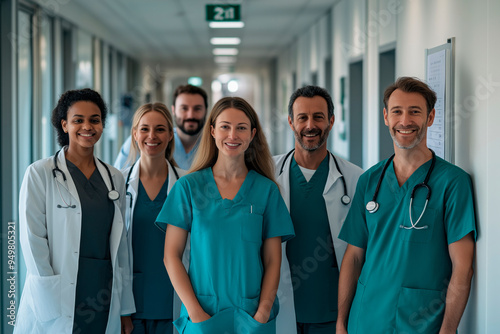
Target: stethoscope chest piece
372 206
345 199
113 195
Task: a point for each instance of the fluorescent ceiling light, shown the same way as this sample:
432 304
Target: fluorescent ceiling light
234 24
225 51
233 86
216 86
195 81
225 41
224 60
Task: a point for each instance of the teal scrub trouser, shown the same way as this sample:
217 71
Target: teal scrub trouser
147 326
321 328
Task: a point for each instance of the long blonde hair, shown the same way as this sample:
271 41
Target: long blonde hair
141 111
257 156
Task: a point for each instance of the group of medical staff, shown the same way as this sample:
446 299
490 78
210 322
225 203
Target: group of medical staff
247 243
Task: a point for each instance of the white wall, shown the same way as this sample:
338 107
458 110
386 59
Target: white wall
349 43
425 24
363 28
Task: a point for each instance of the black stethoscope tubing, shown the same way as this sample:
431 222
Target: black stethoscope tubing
127 182
113 195
372 206
345 199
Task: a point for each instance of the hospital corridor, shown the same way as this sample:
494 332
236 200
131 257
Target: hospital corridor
249 166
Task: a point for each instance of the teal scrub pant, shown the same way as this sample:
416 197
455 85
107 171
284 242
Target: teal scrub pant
321 328
147 326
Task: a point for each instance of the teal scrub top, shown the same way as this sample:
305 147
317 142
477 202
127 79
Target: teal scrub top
153 291
226 238
403 284
314 278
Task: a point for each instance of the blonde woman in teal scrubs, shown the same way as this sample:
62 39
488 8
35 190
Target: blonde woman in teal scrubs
232 208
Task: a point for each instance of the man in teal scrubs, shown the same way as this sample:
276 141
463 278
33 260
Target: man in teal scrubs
313 184
408 266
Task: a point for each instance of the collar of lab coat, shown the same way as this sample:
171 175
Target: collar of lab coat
68 184
61 163
284 178
133 182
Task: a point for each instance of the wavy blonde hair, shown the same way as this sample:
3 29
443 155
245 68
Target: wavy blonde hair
257 156
141 111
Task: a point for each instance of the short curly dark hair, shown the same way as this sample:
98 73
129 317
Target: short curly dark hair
66 100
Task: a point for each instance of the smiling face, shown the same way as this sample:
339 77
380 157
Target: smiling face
310 122
152 134
189 112
407 118
83 124
232 132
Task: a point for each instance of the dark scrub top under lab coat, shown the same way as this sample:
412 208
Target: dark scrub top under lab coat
153 292
314 273
95 273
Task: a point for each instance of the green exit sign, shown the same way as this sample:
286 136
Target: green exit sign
223 13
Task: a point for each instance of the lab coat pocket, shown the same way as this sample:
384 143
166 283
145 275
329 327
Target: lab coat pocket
419 311
244 323
251 224
418 235
46 294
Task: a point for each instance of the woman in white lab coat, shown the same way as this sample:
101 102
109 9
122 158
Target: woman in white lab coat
72 232
148 183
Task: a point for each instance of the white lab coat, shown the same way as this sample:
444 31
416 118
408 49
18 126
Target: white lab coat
132 188
50 241
336 211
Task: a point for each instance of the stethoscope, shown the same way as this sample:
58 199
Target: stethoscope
345 199
372 206
127 182
113 195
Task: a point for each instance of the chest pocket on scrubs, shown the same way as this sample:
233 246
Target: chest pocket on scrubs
423 235
252 223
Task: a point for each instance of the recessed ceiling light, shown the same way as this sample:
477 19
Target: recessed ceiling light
224 60
225 52
225 41
236 24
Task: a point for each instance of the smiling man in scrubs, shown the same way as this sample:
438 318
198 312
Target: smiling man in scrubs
408 266
313 184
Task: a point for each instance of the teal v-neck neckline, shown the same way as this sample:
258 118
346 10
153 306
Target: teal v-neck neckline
295 169
241 192
415 178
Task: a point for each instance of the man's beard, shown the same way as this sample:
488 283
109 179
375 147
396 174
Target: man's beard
323 136
190 132
418 139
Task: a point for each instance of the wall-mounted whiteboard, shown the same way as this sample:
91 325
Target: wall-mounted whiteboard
440 77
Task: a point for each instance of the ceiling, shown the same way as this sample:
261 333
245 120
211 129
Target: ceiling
176 31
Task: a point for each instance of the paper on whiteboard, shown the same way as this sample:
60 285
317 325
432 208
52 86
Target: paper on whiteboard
436 79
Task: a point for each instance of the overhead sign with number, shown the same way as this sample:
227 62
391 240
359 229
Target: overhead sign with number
223 13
